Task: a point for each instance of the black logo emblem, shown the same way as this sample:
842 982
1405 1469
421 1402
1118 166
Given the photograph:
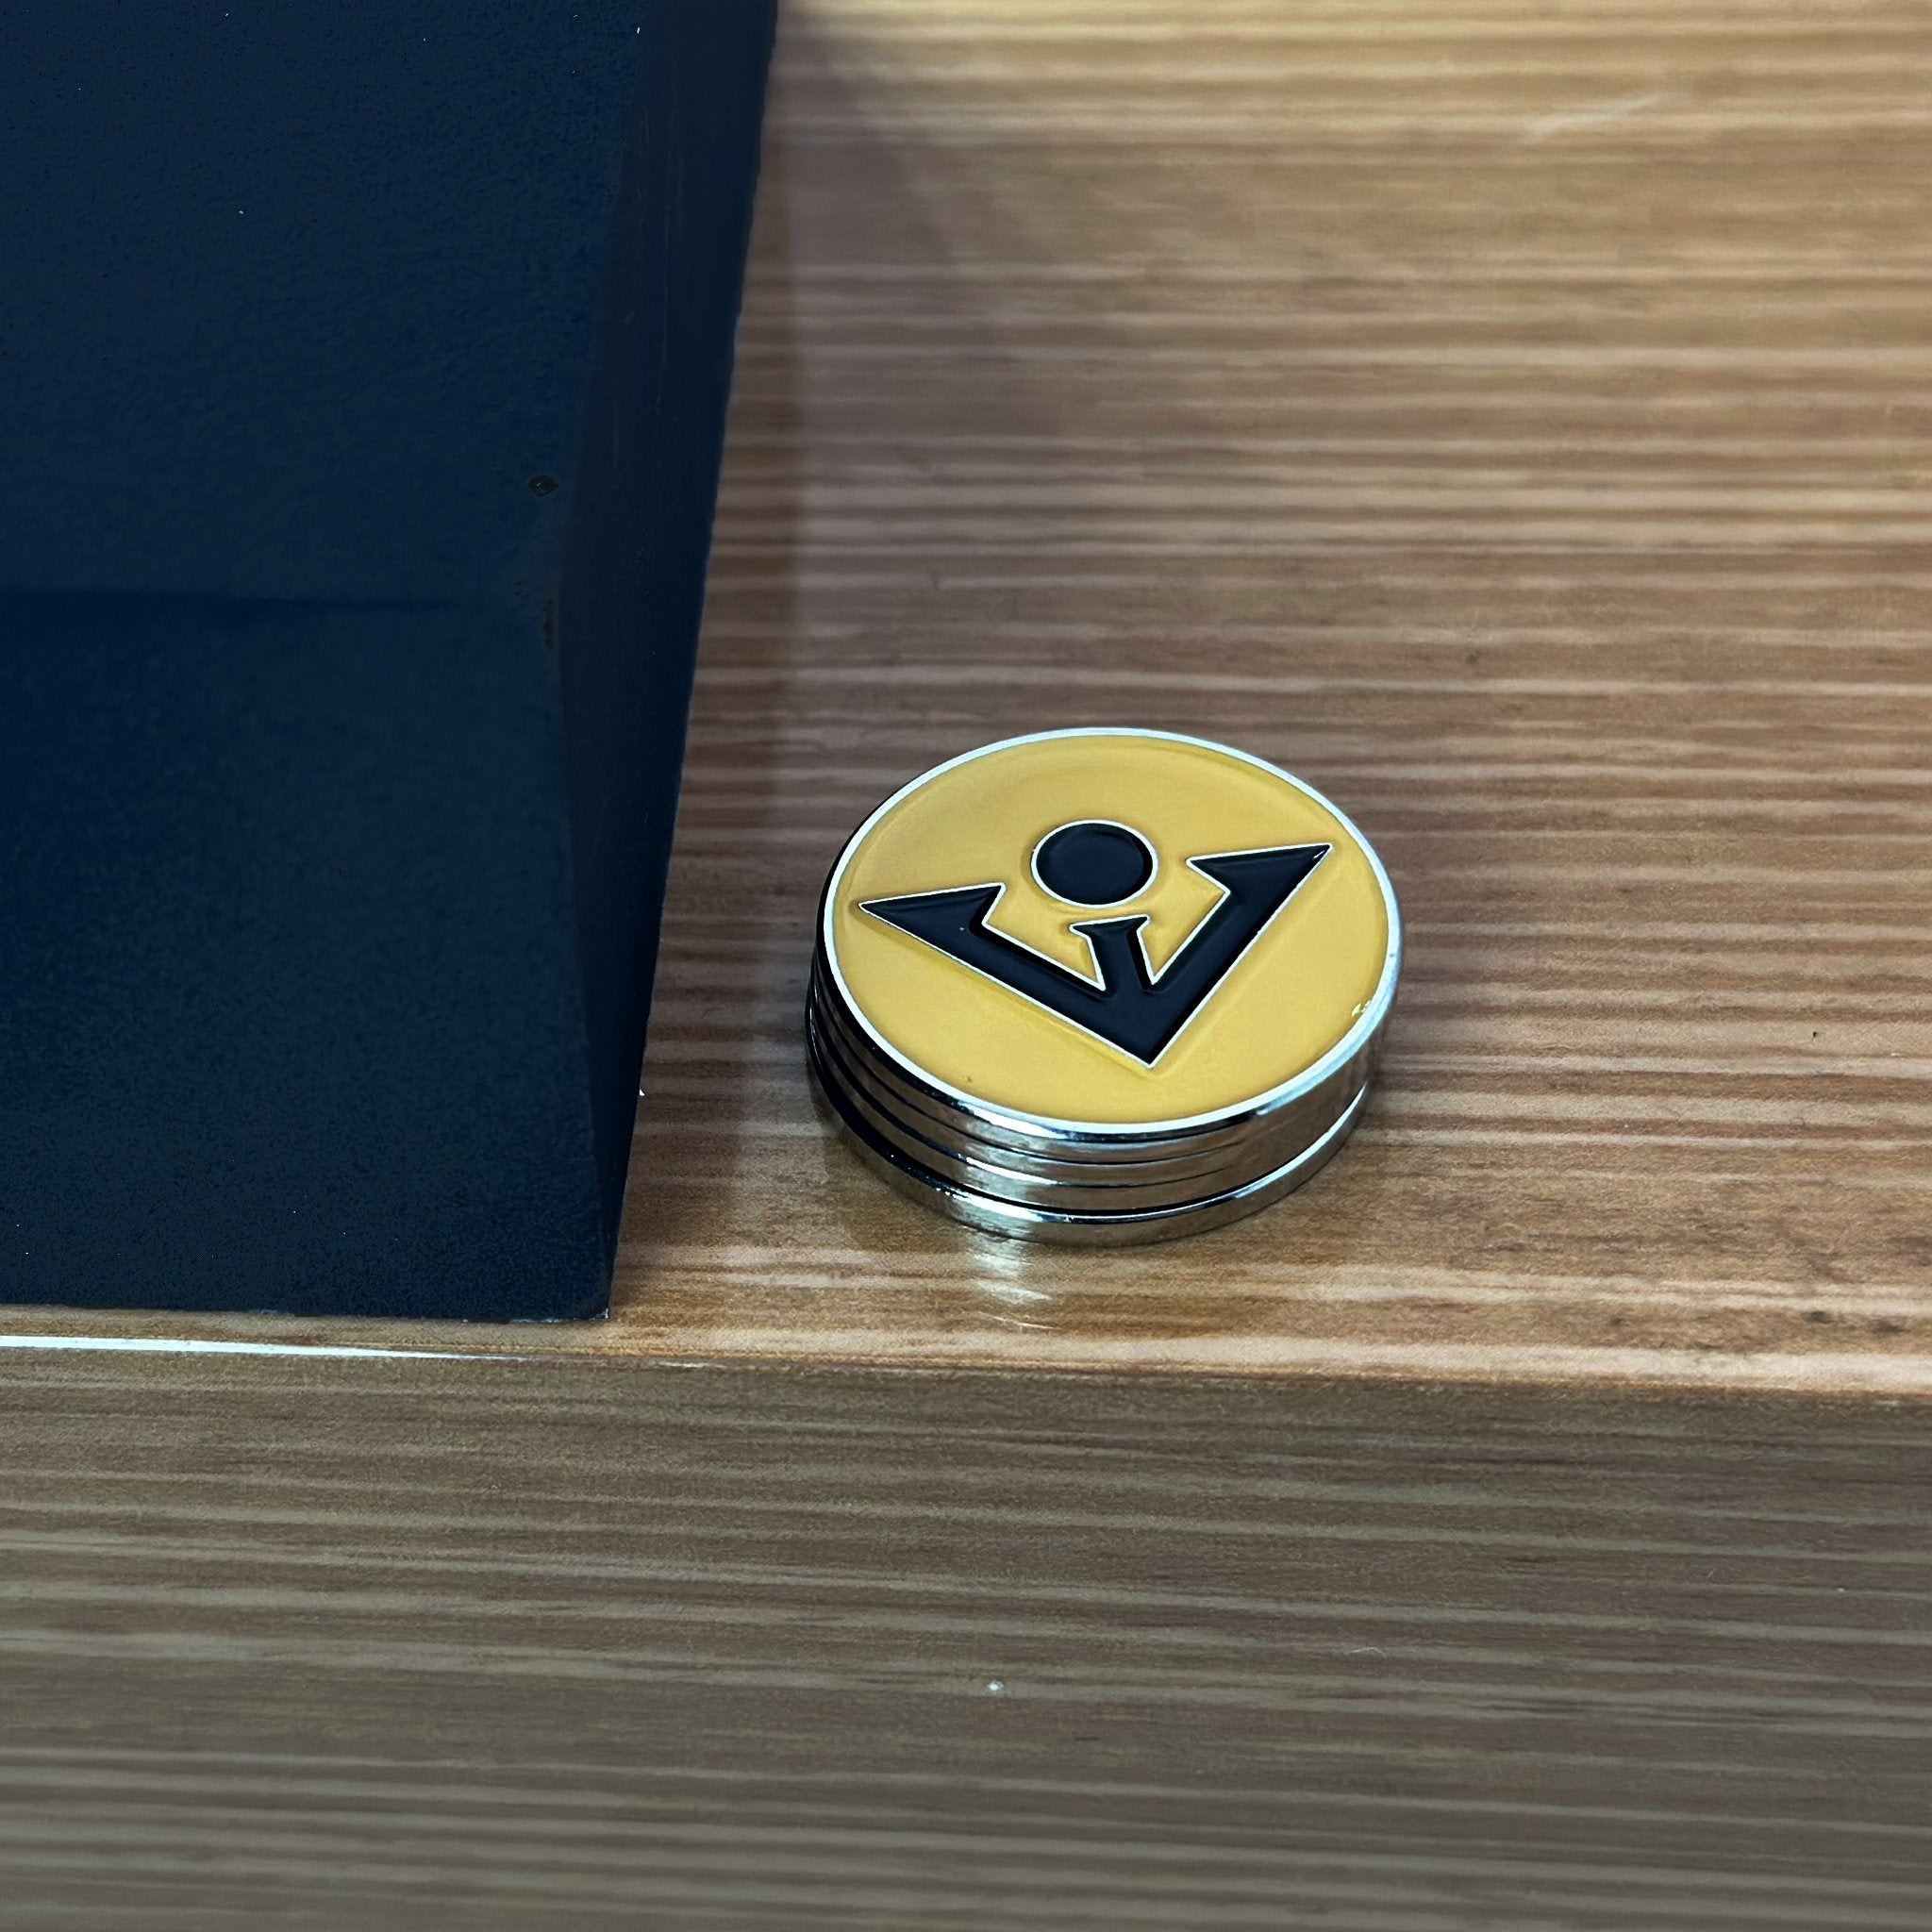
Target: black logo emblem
1097 863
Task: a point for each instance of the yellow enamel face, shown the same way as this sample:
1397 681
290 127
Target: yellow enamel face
1265 930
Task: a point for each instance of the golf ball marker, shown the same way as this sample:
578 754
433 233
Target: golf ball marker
1109 947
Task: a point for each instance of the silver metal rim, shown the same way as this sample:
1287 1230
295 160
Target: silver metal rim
1073 1229
1036 1128
1099 1190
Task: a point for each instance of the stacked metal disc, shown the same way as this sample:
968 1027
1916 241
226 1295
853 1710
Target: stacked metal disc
1163 1087
1011 1175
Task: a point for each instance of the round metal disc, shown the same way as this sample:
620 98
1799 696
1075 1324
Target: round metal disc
1095 981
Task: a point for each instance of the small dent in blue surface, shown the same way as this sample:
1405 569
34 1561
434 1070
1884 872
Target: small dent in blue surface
541 486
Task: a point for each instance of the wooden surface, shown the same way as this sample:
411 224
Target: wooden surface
1510 418
487 1646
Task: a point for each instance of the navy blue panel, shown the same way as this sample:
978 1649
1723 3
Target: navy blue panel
297 296
279 1029
362 364
647 481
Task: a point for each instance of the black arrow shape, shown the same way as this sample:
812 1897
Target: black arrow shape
1129 1009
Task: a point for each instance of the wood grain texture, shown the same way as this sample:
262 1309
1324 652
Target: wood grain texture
408 1647
1512 418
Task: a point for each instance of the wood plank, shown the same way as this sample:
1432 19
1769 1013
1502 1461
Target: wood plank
493 1645
1510 417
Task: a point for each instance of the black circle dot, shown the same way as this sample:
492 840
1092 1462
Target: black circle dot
541 486
1093 863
